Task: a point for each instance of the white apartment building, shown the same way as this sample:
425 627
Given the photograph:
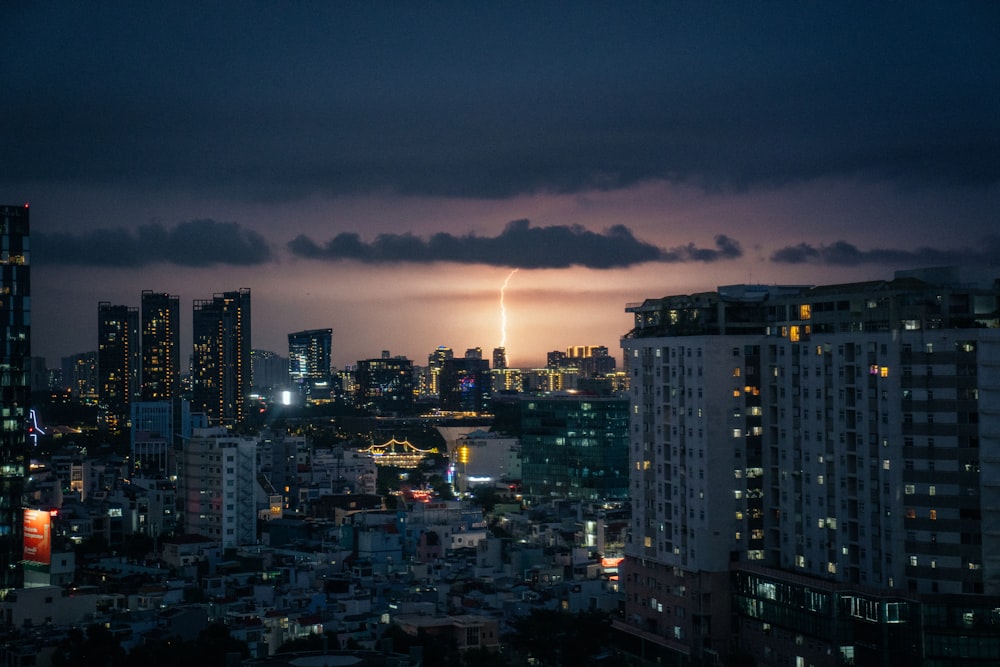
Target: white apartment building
797 449
217 475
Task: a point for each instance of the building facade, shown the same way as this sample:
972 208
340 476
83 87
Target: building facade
309 360
821 465
466 385
221 367
574 446
217 478
160 315
385 385
15 332
118 358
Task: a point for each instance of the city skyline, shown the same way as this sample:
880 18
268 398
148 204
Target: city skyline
381 171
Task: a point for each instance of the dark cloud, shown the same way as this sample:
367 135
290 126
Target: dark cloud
196 243
474 101
519 245
842 253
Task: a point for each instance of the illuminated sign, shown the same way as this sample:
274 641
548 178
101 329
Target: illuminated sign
37 536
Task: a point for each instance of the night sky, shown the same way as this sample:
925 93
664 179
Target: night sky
381 168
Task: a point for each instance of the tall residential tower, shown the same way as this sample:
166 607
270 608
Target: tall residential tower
221 371
160 346
15 353
815 472
118 357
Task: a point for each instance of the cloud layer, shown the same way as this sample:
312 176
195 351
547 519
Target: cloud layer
519 245
196 243
842 253
483 101
206 243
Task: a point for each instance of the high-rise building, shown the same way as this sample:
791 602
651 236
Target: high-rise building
80 376
815 472
118 357
574 446
499 357
160 315
465 385
384 385
221 367
309 361
435 361
15 353
270 370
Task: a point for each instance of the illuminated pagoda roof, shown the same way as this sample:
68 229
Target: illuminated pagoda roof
398 453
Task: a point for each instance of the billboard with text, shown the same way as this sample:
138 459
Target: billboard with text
37 536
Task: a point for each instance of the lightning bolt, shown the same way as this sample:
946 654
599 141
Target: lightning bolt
503 310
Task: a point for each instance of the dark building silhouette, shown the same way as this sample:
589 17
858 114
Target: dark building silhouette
221 364
79 375
15 354
385 385
465 385
118 357
160 314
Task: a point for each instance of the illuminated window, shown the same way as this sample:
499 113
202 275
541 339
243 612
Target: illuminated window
793 334
932 490
933 515
884 371
648 542
913 561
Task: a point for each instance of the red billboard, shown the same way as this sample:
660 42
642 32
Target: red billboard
38 536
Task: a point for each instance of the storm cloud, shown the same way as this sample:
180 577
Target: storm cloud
195 243
842 253
519 245
347 99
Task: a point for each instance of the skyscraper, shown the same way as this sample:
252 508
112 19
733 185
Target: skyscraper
160 346
384 386
435 361
465 385
118 356
309 359
815 477
15 352
221 370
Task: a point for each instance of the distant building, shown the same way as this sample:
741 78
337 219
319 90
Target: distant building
160 315
499 357
309 361
79 373
385 386
574 446
270 370
435 362
221 371
118 359
466 385
15 354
